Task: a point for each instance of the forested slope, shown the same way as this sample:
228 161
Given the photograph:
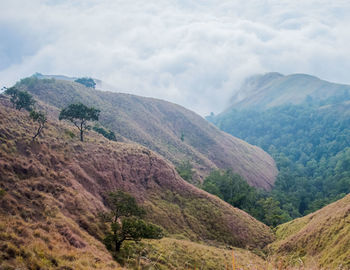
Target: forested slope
303 122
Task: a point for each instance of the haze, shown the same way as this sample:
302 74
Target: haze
188 52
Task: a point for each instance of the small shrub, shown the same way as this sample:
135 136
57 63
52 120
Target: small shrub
2 193
69 133
185 170
106 133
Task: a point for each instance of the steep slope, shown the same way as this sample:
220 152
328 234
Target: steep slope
310 144
159 125
321 238
52 191
274 89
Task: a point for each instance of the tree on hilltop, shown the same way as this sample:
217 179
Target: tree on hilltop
88 82
126 223
79 114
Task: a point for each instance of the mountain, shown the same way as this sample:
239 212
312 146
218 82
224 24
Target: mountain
166 128
265 91
309 141
320 240
53 190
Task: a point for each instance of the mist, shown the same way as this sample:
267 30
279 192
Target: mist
192 53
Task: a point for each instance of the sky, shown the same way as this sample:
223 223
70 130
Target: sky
194 53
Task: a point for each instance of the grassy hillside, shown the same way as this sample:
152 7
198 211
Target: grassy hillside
52 191
274 89
182 254
168 129
321 239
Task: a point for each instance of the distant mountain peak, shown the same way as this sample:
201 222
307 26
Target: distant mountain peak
272 89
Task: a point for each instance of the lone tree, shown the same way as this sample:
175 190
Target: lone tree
20 99
126 222
88 82
79 114
41 119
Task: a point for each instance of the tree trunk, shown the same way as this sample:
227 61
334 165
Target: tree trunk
118 245
36 134
81 132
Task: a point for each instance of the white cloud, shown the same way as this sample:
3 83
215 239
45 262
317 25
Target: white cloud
194 53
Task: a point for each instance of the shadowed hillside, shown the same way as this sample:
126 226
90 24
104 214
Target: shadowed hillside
274 89
52 191
171 130
321 239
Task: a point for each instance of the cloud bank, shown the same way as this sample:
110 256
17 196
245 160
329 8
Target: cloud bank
194 53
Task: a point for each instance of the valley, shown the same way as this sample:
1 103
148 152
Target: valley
54 189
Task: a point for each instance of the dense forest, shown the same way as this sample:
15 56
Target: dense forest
310 144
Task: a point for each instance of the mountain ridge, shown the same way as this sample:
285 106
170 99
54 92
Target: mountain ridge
159 125
268 90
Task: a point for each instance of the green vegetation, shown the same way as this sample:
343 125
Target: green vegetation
20 99
126 222
182 138
310 144
2 193
105 133
185 170
88 82
79 114
40 118
233 189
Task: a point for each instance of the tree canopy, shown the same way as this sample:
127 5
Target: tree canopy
80 114
88 82
20 99
233 189
40 118
126 223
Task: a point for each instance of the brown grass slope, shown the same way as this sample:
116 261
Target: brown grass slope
321 239
56 187
159 125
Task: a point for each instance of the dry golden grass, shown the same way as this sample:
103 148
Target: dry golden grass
40 245
54 188
158 125
320 240
182 254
